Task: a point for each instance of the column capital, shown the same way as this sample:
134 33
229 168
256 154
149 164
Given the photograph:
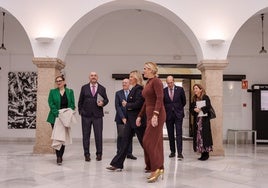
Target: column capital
46 62
212 65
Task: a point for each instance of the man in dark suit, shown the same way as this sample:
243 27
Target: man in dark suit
92 99
174 100
121 117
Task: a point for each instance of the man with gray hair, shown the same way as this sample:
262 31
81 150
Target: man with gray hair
92 99
174 100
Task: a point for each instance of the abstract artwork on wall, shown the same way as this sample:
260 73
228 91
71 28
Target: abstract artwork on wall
22 89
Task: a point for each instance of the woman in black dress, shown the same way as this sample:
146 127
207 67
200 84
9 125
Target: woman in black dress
202 138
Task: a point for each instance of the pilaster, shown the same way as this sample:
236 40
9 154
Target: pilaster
48 69
212 80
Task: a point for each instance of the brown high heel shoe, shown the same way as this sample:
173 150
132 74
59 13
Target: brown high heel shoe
155 176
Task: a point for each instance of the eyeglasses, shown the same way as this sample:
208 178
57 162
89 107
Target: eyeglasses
59 81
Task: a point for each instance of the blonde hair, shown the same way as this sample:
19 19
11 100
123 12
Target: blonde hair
138 76
152 66
203 92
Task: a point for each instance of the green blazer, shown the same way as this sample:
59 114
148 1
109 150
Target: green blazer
54 100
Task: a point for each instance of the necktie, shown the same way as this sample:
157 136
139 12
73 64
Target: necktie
171 94
126 93
93 90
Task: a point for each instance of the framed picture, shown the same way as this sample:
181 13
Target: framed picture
22 89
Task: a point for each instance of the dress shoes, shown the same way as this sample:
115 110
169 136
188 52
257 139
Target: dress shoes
98 158
180 156
131 157
147 170
87 158
204 156
114 169
155 175
59 160
201 157
171 155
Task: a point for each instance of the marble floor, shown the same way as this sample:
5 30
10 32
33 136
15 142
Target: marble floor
243 166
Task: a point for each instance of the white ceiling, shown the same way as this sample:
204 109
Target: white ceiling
133 32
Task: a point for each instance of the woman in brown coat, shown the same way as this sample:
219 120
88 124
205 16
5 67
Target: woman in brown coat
155 112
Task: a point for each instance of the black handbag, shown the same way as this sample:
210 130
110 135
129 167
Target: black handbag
212 113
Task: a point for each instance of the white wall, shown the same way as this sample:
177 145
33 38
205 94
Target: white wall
8 64
235 115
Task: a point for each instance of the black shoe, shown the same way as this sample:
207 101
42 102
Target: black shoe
205 156
171 155
98 158
180 156
87 158
131 157
59 160
201 157
114 169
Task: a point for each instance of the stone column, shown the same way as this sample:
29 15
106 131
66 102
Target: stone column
212 80
186 84
48 69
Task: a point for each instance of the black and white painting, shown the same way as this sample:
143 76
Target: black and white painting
22 89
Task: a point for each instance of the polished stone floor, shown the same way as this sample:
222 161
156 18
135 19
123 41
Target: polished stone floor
243 166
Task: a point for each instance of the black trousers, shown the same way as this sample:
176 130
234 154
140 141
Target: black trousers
87 123
119 141
118 160
175 124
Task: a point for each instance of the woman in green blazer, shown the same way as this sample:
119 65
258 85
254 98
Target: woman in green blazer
59 98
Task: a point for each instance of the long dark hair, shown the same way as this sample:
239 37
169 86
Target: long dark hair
203 92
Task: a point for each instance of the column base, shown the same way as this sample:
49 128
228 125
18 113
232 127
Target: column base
217 152
43 149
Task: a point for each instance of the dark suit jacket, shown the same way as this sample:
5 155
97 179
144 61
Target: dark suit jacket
178 103
87 104
120 110
54 101
134 105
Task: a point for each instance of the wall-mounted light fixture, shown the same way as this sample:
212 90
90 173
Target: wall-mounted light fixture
2 47
262 51
44 39
215 42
